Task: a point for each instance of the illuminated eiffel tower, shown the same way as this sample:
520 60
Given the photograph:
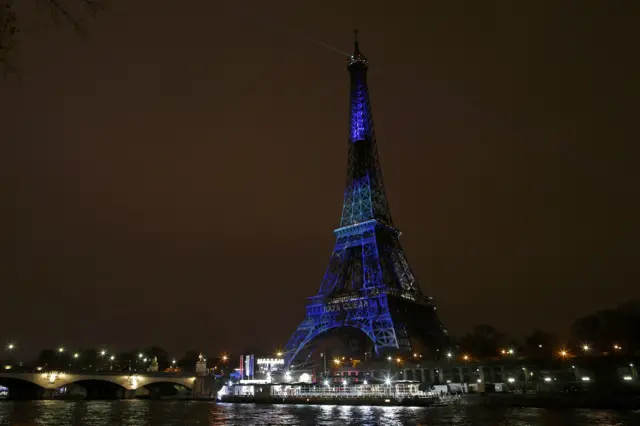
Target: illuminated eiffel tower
368 284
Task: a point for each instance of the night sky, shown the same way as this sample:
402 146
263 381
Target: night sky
175 177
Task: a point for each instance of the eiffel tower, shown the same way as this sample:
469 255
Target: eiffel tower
368 285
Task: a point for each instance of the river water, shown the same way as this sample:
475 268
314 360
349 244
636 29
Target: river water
167 413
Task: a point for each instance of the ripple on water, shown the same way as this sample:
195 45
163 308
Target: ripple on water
170 413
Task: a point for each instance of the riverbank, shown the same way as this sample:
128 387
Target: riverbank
596 401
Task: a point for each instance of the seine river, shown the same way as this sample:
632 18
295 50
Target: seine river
166 413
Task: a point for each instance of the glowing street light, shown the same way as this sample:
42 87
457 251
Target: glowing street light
398 360
389 358
336 361
564 353
449 355
326 383
60 349
11 346
225 357
387 381
510 351
173 361
112 357
76 355
103 352
617 347
465 357
140 355
279 354
585 347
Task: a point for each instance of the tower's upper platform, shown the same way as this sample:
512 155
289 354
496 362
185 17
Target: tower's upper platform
357 58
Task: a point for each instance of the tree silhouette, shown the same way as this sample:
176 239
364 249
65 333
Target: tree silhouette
188 362
483 342
607 328
540 344
70 12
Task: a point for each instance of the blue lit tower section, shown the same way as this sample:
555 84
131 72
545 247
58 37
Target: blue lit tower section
368 284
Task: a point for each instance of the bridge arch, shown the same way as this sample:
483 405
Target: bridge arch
22 388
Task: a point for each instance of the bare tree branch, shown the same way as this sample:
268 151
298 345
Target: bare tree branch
71 12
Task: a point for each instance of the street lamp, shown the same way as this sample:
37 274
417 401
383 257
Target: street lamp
140 355
10 346
279 354
61 349
112 357
76 355
449 355
585 347
103 352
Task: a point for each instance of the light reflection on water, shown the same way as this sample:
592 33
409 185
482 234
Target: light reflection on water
168 413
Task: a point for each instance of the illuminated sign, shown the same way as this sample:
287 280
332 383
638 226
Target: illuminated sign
270 361
347 306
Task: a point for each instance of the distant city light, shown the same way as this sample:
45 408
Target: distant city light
387 381
76 355
279 354
585 347
617 347
449 354
103 352
389 358
60 349
140 355
326 383
465 357
11 346
511 351
112 357
563 353
336 361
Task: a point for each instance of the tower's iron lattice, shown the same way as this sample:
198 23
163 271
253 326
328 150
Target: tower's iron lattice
368 284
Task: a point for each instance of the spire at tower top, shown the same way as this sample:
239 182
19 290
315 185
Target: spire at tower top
357 57
355 41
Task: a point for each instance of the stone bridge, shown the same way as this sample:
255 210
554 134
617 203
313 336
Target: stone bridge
97 386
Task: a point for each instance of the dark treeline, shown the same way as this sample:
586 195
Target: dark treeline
607 331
